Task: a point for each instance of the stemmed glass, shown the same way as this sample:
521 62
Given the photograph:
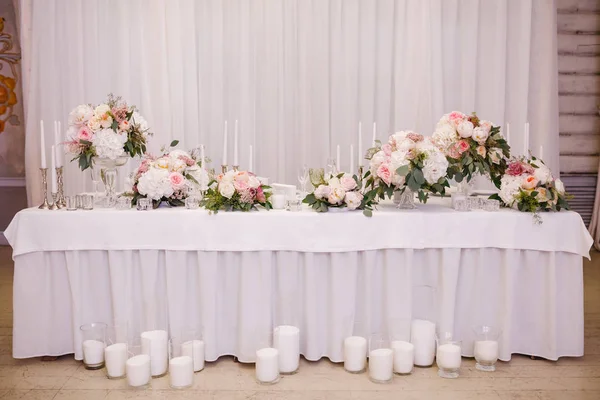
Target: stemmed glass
331 166
95 175
303 178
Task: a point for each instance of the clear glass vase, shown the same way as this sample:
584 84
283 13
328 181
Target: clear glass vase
108 174
406 199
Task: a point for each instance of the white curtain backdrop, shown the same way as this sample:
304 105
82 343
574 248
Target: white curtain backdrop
297 74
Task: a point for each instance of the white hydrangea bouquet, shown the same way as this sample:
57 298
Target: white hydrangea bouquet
172 177
236 191
109 130
337 191
529 186
473 146
407 161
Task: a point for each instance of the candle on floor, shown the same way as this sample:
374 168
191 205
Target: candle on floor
360 149
116 357
181 372
195 350
156 344
355 354
448 360
404 356
42 145
486 354
287 341
381 365
93 353
267 365
422 335
138 370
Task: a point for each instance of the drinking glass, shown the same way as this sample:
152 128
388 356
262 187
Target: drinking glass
79 201
71 202
95 175
331 166
303 178
124 203
294 205
88 201
461 205
474 203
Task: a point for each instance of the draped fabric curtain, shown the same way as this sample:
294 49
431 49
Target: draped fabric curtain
298 75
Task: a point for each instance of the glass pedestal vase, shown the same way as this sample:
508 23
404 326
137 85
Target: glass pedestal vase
405 199
108 174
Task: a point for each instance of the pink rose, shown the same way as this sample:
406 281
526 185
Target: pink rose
84 133
260 195
462 146
384 173
241 186
415 137
453 152
187 160
529 183
177 180
387 149
348 183
515 168
241 176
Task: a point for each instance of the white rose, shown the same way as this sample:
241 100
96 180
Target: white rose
495 155
542 173
226 189
405 145
348 182
322 192
94 124
229 176
560 186
177 165
101 110
80 115
480 135
353 200
465 129
106 122
336 195
253 182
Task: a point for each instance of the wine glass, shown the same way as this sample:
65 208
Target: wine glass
331 166
303 178
95 175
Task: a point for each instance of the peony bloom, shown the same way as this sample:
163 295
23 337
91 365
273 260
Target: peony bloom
241 186
336 196
486 126
387 149
445 136
456 118
415 137
253 182
322 192
94 124
384 173
465 129
101 110
481 151
106 121
163 163
529 183
480 135
347 182
542 173
177 180
81 115
177 165
353 200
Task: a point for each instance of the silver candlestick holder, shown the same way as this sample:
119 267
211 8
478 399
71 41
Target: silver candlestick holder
60 201
236 168
54 206
44 205
224 168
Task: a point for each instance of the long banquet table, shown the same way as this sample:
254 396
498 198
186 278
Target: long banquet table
236 275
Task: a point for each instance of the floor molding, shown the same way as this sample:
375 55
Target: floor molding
12 182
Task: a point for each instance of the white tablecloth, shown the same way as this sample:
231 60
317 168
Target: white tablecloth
115 266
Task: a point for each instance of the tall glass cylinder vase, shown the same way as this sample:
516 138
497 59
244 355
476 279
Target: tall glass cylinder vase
108 173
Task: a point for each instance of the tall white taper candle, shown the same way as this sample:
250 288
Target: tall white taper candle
57 144
508 133
202 157
250 160
42 145
374 132
235 145
53 170
360 150
352 159
337 159
224 162
526 140
541 156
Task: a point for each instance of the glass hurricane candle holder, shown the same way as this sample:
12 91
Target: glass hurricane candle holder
485 348
381 359
461 205
192 203
491 205
474 203
137 366
448 356
293 205
115 353
123 203
79 201
93 337
144 204
71 202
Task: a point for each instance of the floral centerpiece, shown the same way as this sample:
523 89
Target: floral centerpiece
529 186
472 146
172 177
236 190
338 191
407 161
110 131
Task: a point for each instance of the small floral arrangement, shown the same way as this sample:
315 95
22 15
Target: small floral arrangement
172 177
236 190
109 130
407 160
529 186
341 190
472 146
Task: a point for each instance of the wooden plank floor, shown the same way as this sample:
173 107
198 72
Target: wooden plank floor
522 378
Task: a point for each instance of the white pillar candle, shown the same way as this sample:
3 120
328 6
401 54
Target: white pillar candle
116 357
381 364
181 372
351 159
225 145
360 149
337 159
195 350
250 160
93 352
486 351
235 144
267 365
355 353
278 201
138 370
422 335
53 170
541 157
42 145
508 133
156 345
448 356
287 342
404 356
374 133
